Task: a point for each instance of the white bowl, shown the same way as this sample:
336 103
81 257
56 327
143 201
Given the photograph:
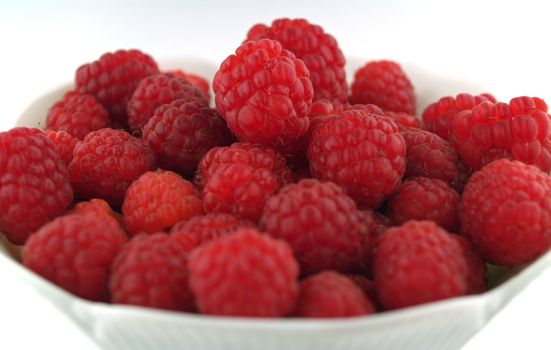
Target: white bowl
445 324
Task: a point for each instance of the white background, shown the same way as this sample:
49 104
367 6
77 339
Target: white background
500 45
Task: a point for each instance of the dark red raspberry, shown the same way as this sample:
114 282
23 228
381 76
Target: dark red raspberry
477 271
113 78
417 263
421 198
244 274
157 200
195 80
384 84
106 162
429 155
505 212
372 225
319 51
368 288
181 132
489 131
77 114
155 91
364 153
151 270
205 228
330 294
99 209
34 186
438 116
319 221
264 92
75 252
64 144
404 120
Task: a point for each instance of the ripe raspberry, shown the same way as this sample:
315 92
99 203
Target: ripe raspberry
368 287
75 252
181 132
506 213
99 209
429 155
64 144
404 120
106 162
372 225
157 200
326 107
368 108
319 51
319 221
477 271
34 186
438 116
155 91
519 131
417 263
364 153
77 114
264 92
384 84
205 228
113 78
195 80
151 270
421 198
330 294
244 274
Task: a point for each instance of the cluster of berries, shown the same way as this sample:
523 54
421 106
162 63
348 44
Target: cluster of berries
295 196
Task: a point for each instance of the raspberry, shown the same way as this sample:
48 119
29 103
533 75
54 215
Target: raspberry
77 114
151 270
205 228
364 153
368 108
244 274
417 263
75 252
113 78
181 132
195 80
330 294
429 155
264 92
506 213
404 121
384 84
64 144
438 116
106 162
319 221
157 200
319 51
367 286
155 91
99 209
477 271
491 131
421 198
372 225
34 186
325 107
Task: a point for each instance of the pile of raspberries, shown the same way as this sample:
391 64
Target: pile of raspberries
296 196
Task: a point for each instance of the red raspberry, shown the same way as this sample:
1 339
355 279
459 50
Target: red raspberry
364 153
384 84
99 209
319 51
64 144
367 286
477 271
113 78
372 225
244 274
157 200
319 221
106 162
404 120
181 132
151 270
77 114
438 116
264 92
506 213
195 80
34 186
368 108
325 107
429 155
417 263
330 294
75 252
421 198
520 131
205 228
